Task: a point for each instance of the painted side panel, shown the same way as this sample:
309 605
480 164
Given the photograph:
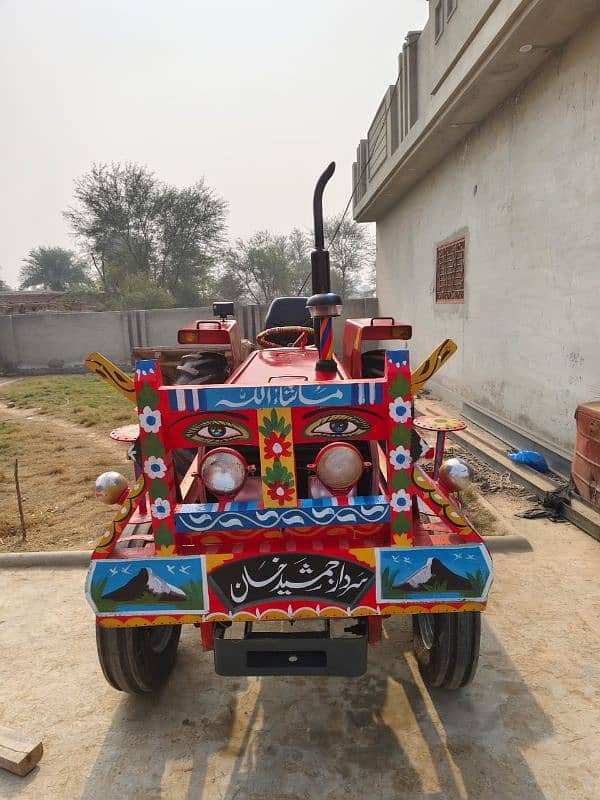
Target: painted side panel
148 586
438 573
286 585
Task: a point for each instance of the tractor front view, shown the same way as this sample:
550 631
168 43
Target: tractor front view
283 484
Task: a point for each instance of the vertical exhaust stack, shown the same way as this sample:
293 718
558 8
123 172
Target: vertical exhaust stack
319 257
323 305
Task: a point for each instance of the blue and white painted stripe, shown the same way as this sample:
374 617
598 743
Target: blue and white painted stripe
226 398
204 517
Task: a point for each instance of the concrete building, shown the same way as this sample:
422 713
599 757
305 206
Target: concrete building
481 169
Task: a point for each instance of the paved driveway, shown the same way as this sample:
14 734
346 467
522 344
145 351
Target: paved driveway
527 728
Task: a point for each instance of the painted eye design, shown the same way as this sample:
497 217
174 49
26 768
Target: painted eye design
338 426
217 430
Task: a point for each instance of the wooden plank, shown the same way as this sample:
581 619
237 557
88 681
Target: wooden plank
18 754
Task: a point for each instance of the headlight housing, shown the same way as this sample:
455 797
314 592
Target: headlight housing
339 466
223 471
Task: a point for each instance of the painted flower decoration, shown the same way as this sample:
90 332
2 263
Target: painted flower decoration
400 457
400 500
160 508
276 446
280 492
155 467
400 410
150 420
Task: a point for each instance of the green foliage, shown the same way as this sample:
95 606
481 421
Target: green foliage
158 489
269 265
96 591
401 479
352 256
136 292
54 269
195 595
477 581
400 435
147 396
279 473
275 424
164 536
387 585
400 386
151 244
401 523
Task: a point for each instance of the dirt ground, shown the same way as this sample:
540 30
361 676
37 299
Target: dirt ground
527 728
59 462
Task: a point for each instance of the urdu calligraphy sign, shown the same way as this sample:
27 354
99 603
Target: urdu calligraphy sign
291 576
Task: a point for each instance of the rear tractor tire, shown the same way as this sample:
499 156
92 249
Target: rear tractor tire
200 368
446 647
137 660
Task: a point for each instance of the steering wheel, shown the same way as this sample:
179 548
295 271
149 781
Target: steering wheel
285 331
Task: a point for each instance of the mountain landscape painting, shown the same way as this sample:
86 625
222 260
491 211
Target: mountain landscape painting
444 573
147 586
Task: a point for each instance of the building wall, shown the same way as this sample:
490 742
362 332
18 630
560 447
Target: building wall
525 189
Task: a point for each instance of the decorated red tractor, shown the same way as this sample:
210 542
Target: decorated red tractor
285 486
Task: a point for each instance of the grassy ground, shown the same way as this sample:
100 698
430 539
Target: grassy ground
57 472
84 399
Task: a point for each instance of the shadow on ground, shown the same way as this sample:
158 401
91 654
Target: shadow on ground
382 735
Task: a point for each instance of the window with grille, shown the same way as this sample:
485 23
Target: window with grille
450 272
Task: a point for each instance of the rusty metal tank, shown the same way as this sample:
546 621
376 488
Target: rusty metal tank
585 472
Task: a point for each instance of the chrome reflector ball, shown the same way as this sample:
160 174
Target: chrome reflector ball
110 487
456 474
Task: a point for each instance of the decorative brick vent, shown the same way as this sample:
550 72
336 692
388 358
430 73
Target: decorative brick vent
450 272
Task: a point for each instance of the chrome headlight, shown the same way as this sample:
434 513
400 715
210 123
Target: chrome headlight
339 466
223 471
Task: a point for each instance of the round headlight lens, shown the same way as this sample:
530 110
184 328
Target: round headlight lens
223 471
339 466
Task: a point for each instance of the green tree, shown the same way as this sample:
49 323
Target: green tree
52 268
133 225
352 257
263 267
4 287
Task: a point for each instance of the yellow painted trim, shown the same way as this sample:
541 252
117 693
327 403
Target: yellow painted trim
109 372
432 364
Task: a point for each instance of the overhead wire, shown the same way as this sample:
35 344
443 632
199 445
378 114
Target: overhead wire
364 169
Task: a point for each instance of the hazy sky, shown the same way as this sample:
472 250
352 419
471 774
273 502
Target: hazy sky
256 95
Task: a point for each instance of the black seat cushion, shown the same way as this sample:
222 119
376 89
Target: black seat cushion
287 311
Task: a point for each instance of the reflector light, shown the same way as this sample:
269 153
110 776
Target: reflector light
188 337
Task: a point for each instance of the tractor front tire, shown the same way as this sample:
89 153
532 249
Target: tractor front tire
446 647
137 660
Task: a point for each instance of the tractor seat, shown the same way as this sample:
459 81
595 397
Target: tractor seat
287 311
